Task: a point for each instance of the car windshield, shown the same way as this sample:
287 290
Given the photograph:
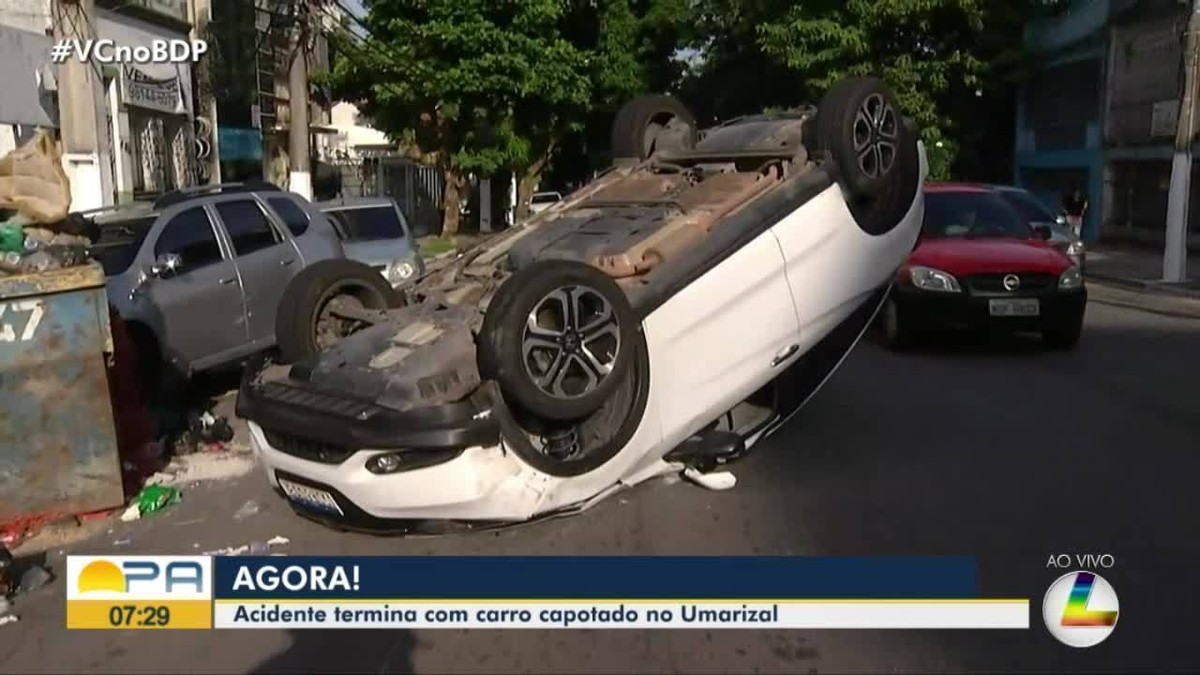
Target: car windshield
120 242
545 198
971 214
1030 207
367 223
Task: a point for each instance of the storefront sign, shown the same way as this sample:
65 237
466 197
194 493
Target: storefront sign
143 91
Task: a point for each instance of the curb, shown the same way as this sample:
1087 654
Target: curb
1156 287
1134 296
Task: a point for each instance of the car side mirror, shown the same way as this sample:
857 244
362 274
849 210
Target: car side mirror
1043 232
166 265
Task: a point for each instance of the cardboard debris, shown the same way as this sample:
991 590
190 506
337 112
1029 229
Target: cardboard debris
33 183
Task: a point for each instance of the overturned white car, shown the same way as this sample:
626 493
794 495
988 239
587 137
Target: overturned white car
661 319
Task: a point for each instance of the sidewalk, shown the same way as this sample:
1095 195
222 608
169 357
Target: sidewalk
1131 276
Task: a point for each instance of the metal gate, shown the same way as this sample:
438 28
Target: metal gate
415 187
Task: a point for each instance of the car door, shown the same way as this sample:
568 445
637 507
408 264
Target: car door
266 261
832 265
196 310
722 337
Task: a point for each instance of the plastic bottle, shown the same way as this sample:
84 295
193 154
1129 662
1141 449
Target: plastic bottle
12 238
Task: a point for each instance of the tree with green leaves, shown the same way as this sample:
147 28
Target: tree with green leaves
449 77
481 86
935 54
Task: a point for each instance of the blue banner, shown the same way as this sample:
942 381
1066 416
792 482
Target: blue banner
239 144
595 578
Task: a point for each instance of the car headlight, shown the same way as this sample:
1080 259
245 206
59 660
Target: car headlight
1076 248
930 279
400 271
1070 279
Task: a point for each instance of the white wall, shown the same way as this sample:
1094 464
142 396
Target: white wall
28 15
130 31
344 118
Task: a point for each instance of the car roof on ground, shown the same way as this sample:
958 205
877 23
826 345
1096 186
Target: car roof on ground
957 187
951 186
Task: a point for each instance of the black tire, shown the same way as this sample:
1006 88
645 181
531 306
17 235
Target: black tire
895 331
510 355
874 148
1065 336
310 291
651 123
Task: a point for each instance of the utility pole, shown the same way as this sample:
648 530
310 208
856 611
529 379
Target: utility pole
300 177
80 113
1175 249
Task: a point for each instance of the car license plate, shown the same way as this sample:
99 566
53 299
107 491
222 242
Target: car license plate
1014 307
312 498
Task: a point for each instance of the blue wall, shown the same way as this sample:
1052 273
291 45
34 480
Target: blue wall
1077 35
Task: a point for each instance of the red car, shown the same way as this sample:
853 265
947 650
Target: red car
978 264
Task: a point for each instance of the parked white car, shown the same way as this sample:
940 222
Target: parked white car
540 201
663 319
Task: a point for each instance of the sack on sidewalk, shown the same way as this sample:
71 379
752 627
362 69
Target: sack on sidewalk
33 183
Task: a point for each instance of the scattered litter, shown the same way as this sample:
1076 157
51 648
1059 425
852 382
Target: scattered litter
253 548
6 561
206 432
132 513
9 618
250 508
201 467
718 480
154 498
228 550
195 544
123 542
34 578
192 521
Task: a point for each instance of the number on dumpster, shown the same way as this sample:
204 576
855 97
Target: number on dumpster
19 320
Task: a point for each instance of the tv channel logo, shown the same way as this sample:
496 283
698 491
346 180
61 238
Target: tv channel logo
1080 609
152 577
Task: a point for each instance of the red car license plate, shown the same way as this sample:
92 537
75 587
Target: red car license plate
1014 307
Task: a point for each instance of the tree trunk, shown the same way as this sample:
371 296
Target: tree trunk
451 202
528 182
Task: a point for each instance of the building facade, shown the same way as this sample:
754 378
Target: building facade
149 108
1100 114
251 41
1060 109
29 101
1146 50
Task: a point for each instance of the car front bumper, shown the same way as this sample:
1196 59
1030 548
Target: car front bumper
939 310
453 465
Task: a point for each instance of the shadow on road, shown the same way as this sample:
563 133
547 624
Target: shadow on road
344 651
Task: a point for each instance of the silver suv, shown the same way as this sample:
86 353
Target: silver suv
199 276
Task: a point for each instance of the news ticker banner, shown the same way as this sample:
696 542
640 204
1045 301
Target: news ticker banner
201 592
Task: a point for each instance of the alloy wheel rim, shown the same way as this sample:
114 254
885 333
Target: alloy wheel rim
570 342
876 134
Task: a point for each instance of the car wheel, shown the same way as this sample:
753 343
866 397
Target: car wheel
558 339
317 307
874 150
897 334
648 124
1063 337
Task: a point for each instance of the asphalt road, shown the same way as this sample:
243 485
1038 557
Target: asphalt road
1001 450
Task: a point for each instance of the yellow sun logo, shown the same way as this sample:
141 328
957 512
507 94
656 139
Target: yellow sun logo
101 575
